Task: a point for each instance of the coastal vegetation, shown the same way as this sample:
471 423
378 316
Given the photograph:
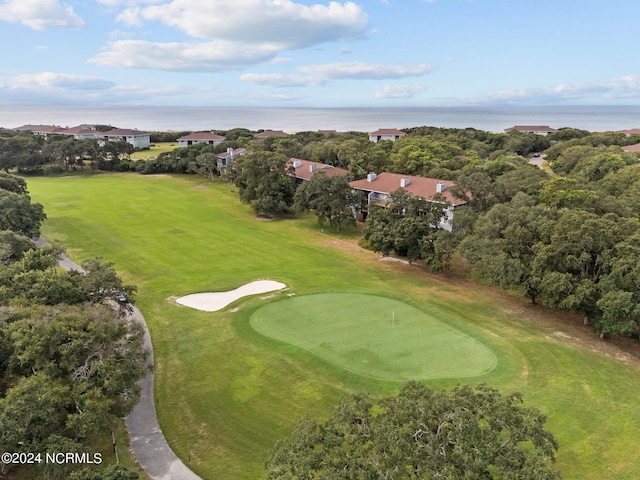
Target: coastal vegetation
69 360
226 393
563 238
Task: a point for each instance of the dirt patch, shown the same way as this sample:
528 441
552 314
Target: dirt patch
394 259
344 245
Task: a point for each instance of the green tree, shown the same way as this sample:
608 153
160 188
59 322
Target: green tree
503 245
575 252
619 291
206 165
113 472
526 178
14 184
263 181
19 215
409 226
331 198
476 188
70 372
470 433
13 246
564 192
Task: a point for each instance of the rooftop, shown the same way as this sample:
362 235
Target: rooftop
305 169
388 131
420 186
202 136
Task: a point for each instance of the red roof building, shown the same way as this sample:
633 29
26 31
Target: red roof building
633 131
379 187
305 169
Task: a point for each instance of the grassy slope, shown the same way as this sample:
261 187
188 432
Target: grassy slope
225 394
155 150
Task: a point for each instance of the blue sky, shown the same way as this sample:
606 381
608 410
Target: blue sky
318 53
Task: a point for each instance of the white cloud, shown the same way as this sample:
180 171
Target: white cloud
619 88
47 88
279 80
360 70
40 14
399 91
284 23
184 57
279 60
232 33
53 81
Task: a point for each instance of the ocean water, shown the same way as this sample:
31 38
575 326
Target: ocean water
161 118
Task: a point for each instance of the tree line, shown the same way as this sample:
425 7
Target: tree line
69 358
517 217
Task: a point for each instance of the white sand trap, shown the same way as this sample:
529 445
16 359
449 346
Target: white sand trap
214 301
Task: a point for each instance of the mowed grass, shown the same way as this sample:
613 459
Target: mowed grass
154 150
226 393
374 336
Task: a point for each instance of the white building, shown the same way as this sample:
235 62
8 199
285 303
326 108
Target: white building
138 139
386 134
209 138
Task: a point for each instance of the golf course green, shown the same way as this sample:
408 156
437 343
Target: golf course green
374 336
229 384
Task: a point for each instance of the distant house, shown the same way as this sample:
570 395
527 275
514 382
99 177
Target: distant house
45 130
271 133
303 170
82 132
386 134
379 187
138 139
29 128
538 129
223 160
209 138
633 131
328 133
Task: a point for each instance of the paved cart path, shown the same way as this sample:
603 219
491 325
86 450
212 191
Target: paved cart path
148 444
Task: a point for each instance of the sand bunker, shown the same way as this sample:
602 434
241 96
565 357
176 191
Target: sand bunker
214 301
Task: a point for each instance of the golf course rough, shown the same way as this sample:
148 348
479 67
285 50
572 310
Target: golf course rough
374 336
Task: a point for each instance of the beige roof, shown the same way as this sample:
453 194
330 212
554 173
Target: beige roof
202 136
79 129
420 186
308 169
632 148
49 129
121 132
237 151
388 131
